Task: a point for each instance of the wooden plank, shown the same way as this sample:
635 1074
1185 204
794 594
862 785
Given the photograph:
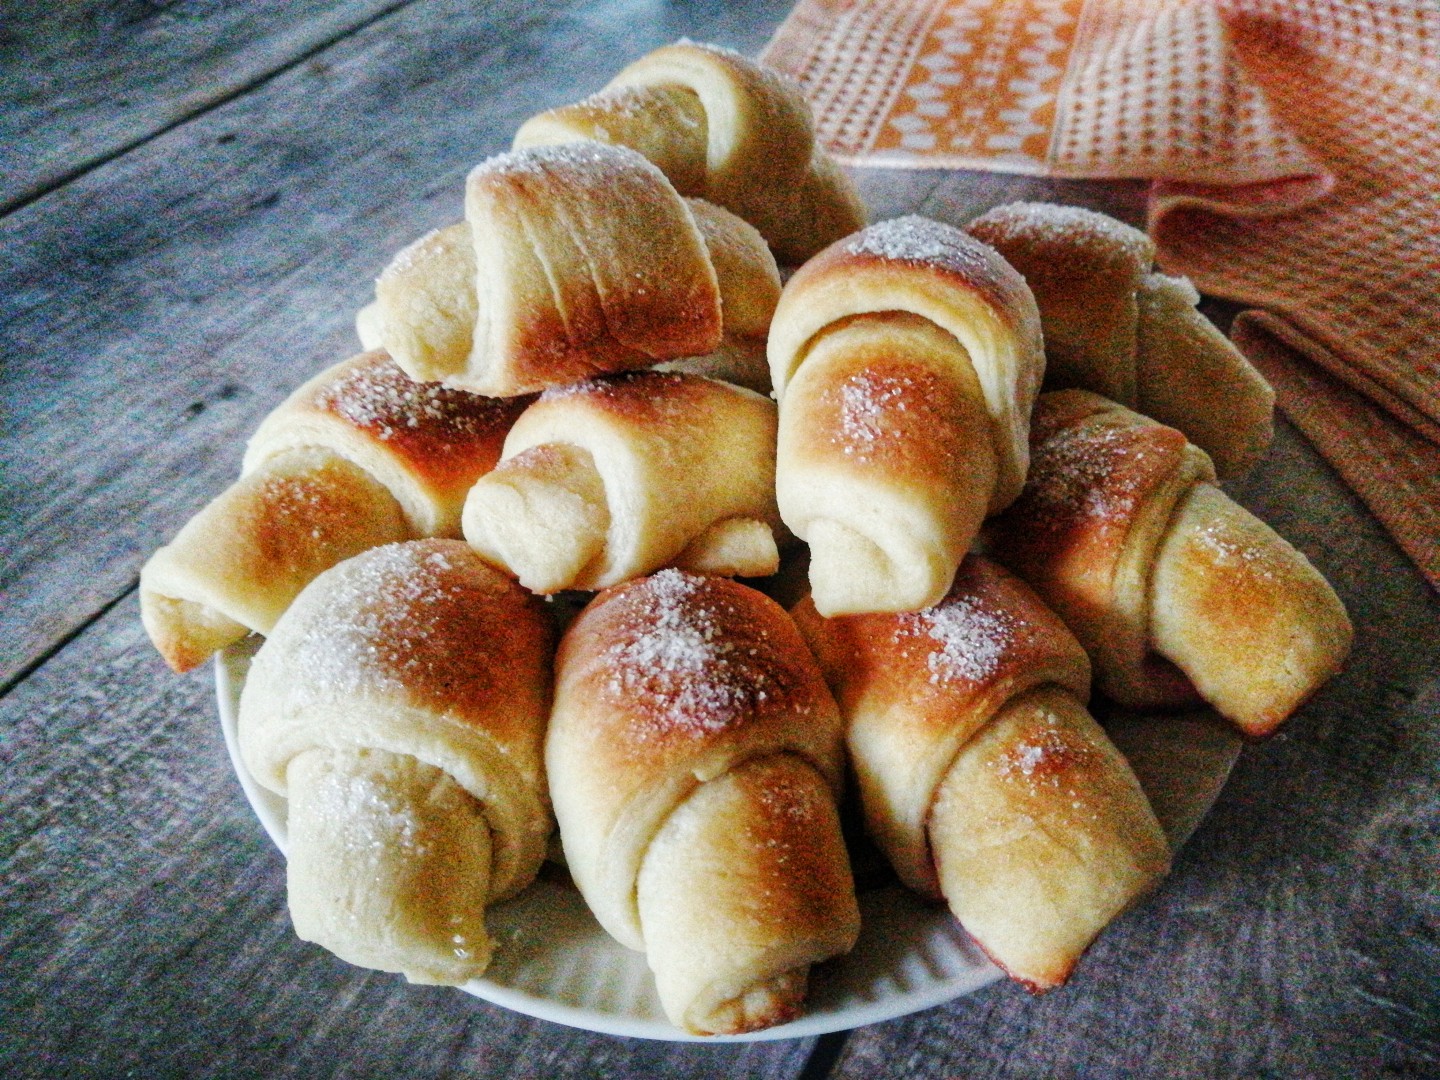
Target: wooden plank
158 307
86 81
1297 933
145 929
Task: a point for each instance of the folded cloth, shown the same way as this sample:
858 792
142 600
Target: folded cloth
1392 467
1348 281
1081 88
1295 156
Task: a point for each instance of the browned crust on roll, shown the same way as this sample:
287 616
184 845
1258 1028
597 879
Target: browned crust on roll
744 268
1088 481
664 688
425 442
943 274
666 402
1103 482
953 664
724 128
1243 613
433 621
887 410
662 684
772 133
685 708
417 649
1084 269
982 776
744 888
915 687
444 436
1042 835
238 563
1113 327
630 281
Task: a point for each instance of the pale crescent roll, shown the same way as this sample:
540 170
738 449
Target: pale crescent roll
611 478
905 360
361 455
1170 585
1114 327
724 128
981 774
695 760
400 706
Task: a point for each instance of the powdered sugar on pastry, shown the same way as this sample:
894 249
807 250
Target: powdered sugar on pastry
1064 225
675 654
969 638
865 400
916 239
1079 471
381 398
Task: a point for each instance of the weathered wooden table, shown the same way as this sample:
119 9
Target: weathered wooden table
194 200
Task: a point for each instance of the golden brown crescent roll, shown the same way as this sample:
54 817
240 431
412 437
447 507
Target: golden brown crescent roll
400 706
611 478
695 760
722 128
1114 327
1170 585
572 261
359 456
905 360
982 776
431 285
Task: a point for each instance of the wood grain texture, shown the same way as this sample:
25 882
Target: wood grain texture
156 308
144 926
86 81
1299 935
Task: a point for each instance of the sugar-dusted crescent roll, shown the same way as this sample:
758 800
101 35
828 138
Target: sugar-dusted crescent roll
1170 585
359 456
572 261
695 760
723 128
1114 327
982 776
905 360
400 706
611 478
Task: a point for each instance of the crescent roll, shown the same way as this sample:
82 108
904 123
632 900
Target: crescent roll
905 360
609 479
1114 327
359 456
695 761
572 261
981 774
400 706
722 128
441 265
1172 587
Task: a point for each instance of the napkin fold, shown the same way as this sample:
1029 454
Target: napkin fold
1294 150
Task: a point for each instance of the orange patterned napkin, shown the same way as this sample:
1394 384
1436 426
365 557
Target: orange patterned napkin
1295 148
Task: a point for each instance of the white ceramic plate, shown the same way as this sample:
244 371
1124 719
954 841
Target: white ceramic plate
553 961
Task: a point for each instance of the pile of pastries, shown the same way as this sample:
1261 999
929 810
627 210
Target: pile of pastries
595 386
